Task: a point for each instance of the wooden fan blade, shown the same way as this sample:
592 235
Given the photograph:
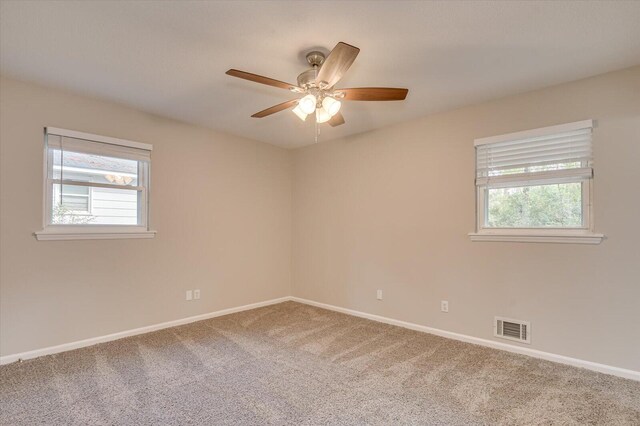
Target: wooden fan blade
260 79
336 120
275 108
374 94
337 64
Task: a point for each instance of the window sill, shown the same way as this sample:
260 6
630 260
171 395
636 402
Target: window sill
57 235
558 238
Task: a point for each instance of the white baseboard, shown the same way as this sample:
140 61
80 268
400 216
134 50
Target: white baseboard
109 337
601 368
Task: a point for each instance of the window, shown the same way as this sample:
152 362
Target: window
535 186
95 187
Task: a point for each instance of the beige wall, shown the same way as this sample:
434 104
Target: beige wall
221 206
391 210
387 210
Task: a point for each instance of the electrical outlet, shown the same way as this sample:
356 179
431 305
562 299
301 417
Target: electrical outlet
379 295
189 295
444 306
196 294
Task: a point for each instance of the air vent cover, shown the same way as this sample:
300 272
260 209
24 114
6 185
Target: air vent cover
517 330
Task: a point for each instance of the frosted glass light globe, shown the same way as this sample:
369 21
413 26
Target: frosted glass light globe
307 104
298 111
331 105
322 116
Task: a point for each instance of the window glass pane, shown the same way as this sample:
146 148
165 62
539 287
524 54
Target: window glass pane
75 198
540 206
94 168
103 206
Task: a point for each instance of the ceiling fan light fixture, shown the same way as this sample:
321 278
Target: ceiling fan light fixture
317 89
322 116
307 104
301 114
331 105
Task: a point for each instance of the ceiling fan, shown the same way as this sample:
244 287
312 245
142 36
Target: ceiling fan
318 87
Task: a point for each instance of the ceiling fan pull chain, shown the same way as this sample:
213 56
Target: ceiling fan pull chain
317 132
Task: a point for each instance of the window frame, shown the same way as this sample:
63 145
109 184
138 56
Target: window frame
52 231
584 234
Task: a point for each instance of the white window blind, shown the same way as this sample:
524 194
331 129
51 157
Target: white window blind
55 141
563 151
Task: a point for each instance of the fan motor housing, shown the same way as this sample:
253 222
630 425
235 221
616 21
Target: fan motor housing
307 78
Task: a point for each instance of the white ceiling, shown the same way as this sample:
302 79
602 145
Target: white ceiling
169 57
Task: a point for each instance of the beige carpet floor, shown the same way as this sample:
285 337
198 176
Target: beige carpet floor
295 364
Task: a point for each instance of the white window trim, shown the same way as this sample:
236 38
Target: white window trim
97 138
92 232
67 234
542 131
582 235
558 237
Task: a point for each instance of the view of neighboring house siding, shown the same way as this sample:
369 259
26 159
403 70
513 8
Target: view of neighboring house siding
99 206
114 206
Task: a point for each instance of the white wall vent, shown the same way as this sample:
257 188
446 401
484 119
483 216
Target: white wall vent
506 328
